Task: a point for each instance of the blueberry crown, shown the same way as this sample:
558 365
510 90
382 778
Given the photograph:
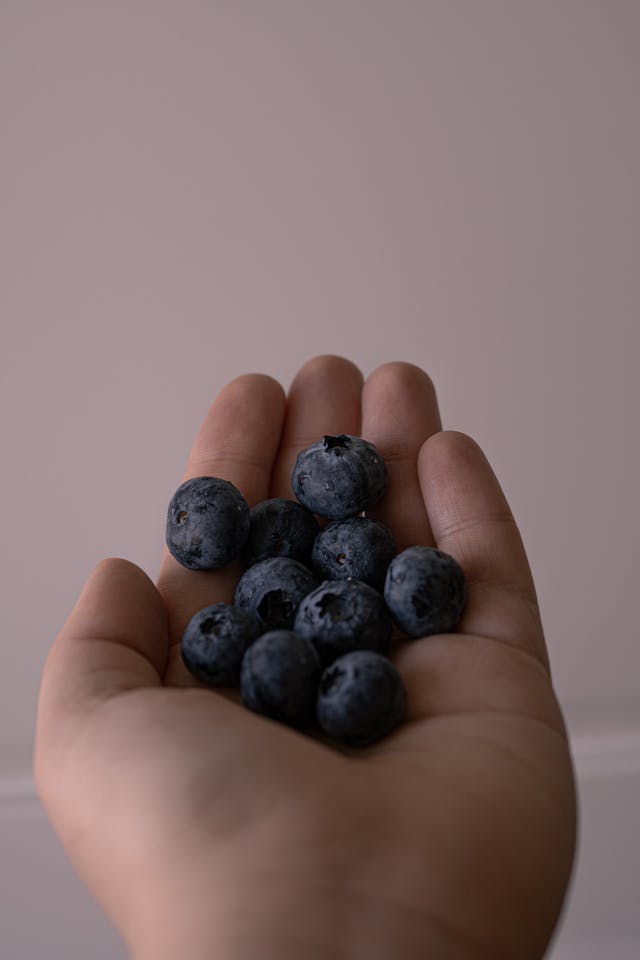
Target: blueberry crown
338 443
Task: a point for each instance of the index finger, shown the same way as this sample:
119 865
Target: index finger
471 520
238 442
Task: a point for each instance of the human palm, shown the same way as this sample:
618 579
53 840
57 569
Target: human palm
206 830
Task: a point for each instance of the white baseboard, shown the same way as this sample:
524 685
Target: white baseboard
594 949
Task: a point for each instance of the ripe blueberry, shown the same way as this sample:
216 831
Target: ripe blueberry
361 698
273 589
279 677
280 528
207 523
344 615
358 548
215 641
425 591
339 477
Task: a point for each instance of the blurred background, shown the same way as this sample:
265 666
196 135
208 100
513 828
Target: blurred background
193 190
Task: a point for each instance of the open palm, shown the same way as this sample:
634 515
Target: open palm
206 830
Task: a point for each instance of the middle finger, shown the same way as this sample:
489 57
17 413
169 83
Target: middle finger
399 412
324 398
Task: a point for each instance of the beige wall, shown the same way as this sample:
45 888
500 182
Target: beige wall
191 190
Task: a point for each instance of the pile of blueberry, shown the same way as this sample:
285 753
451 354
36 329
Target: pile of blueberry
309 632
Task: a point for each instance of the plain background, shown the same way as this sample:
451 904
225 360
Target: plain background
194 190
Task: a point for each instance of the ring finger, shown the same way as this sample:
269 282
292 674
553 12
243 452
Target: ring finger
399 412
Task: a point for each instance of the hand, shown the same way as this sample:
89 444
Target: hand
206 830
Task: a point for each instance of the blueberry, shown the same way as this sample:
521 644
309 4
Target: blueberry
360 548
361 698
215 641
207 523
280 528
273 589
339 477
344 615
279 677
425 591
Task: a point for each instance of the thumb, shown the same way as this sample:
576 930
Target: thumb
114 640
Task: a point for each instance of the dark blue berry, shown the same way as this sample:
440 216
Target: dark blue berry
359 548
280 528
215 641
344 615
207 523
339 477
279 677
425 591
361 698
273 589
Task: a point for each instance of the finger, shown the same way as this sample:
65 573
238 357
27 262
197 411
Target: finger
471 520
114 640
496 662
324 398
240 435
237 441
399 412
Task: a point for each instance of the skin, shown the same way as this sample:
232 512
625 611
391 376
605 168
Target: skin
205 830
